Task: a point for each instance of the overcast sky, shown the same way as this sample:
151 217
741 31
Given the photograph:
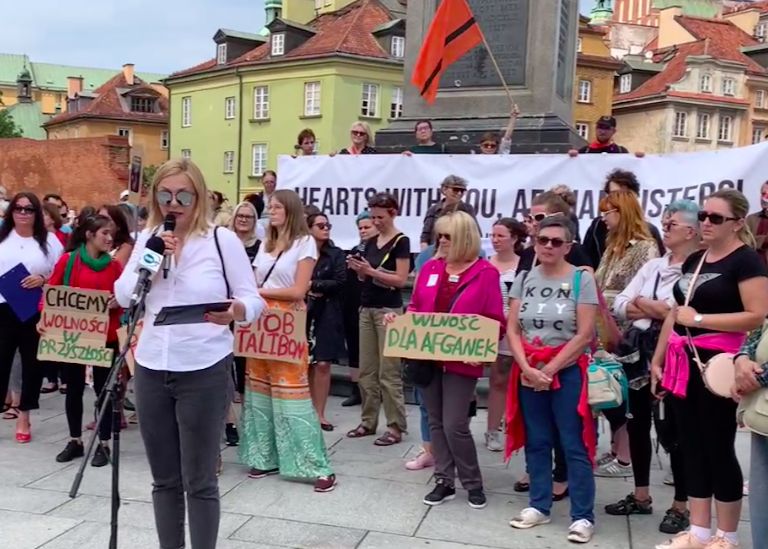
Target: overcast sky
156 35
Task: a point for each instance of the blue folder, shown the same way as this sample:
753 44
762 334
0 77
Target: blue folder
24 303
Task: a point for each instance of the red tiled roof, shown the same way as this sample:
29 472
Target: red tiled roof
716 38
107 103
708 97
762 6
346 31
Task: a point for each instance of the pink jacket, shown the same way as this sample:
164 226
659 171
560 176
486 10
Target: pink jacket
677 366
481 295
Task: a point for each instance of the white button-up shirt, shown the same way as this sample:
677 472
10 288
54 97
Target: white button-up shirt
643 285
196 278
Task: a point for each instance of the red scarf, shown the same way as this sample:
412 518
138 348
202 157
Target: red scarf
515 427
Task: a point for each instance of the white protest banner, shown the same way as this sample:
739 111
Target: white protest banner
504 185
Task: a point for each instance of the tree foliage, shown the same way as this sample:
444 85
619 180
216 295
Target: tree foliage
8 127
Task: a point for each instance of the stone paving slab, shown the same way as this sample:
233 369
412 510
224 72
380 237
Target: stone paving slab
301 535
29 531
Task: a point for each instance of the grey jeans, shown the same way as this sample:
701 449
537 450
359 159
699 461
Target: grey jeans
182 414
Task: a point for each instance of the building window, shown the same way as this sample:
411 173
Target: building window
396 107
702 126
370 100
258 159
758 135
229 162
126 132
579 44
725 130
143 104
278 44
705 83
585 91
582 128
229 108
186 112
625 83
761 31
398 47
221 54
186 154
760 99
729 86
312 99
681 125
260 103
164 140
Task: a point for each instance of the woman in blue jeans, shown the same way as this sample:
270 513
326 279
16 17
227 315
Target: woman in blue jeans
551 323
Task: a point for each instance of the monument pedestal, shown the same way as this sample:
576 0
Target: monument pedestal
534 43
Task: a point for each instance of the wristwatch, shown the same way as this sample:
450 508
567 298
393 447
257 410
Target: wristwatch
698 318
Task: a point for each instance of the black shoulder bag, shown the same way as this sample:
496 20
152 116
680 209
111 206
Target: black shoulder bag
419 372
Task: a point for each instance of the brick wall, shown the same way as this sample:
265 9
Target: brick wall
85 171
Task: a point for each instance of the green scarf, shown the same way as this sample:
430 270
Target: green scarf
98 264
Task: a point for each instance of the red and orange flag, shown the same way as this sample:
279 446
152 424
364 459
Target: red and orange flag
452 33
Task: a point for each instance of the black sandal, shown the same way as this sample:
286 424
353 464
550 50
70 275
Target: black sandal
388 439
521 486
360 431
326 427
675 522
630 506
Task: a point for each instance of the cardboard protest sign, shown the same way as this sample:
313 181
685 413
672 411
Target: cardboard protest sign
439 336
122 337
276 335
75 323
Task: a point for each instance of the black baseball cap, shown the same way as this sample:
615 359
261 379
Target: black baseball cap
606 122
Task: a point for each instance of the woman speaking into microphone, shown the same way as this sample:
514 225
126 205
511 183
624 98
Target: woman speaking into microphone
183 372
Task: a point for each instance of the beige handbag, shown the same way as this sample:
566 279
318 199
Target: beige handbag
753 408
719 372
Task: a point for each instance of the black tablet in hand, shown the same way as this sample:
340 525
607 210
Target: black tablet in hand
189 314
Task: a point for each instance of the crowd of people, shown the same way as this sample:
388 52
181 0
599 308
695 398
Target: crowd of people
660 307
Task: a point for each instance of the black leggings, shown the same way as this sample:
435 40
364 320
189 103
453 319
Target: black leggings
239 374
707 425
74 376
21 336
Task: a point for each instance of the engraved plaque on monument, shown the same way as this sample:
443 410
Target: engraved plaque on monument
505 25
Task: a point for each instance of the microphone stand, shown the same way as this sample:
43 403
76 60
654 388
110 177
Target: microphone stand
112 392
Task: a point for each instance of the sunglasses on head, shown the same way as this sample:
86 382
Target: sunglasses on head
715 218
444 235
24 209
183 198
323 226
545 241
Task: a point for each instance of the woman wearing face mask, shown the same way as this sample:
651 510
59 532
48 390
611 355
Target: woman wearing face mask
351 306
551 323
324 317
23 239
728 298
361 140
89 266
383 269
280 430
183 372
645 303
507 236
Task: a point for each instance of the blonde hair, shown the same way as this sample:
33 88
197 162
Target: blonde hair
295 225
200 222
251 237
739 206
465 237
632 225
367 129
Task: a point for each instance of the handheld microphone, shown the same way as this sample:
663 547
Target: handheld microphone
149 263
168 225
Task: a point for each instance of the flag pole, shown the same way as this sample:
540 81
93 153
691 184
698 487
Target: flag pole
498 69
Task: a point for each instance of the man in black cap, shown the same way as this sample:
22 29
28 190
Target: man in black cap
606 128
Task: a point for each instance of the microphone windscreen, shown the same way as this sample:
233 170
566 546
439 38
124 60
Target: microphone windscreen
156 244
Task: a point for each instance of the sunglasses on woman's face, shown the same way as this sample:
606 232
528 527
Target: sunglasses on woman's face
489 145
24 210
183 198
358 133
445 236
715 218
244 217
323 226
546 241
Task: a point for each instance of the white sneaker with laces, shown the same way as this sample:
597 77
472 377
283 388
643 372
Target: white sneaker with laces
614 469
528 518
581 531
494 441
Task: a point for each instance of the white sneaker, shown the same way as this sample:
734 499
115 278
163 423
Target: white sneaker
528 518
605 458
581 531
614 469
669 479
494 441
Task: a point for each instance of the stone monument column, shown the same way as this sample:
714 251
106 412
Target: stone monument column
534 43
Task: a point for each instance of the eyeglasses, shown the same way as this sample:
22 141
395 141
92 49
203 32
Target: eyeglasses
545 241
489 145
715 218
357 133
323 226
444 235
183 198
607 213
669 225
24 210
244 217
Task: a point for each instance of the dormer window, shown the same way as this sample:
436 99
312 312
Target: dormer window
625 83
221 54
278 44
143 104
398 47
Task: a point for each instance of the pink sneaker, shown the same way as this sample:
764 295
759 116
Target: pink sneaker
422 461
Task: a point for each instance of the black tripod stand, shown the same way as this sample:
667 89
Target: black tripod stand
112 392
